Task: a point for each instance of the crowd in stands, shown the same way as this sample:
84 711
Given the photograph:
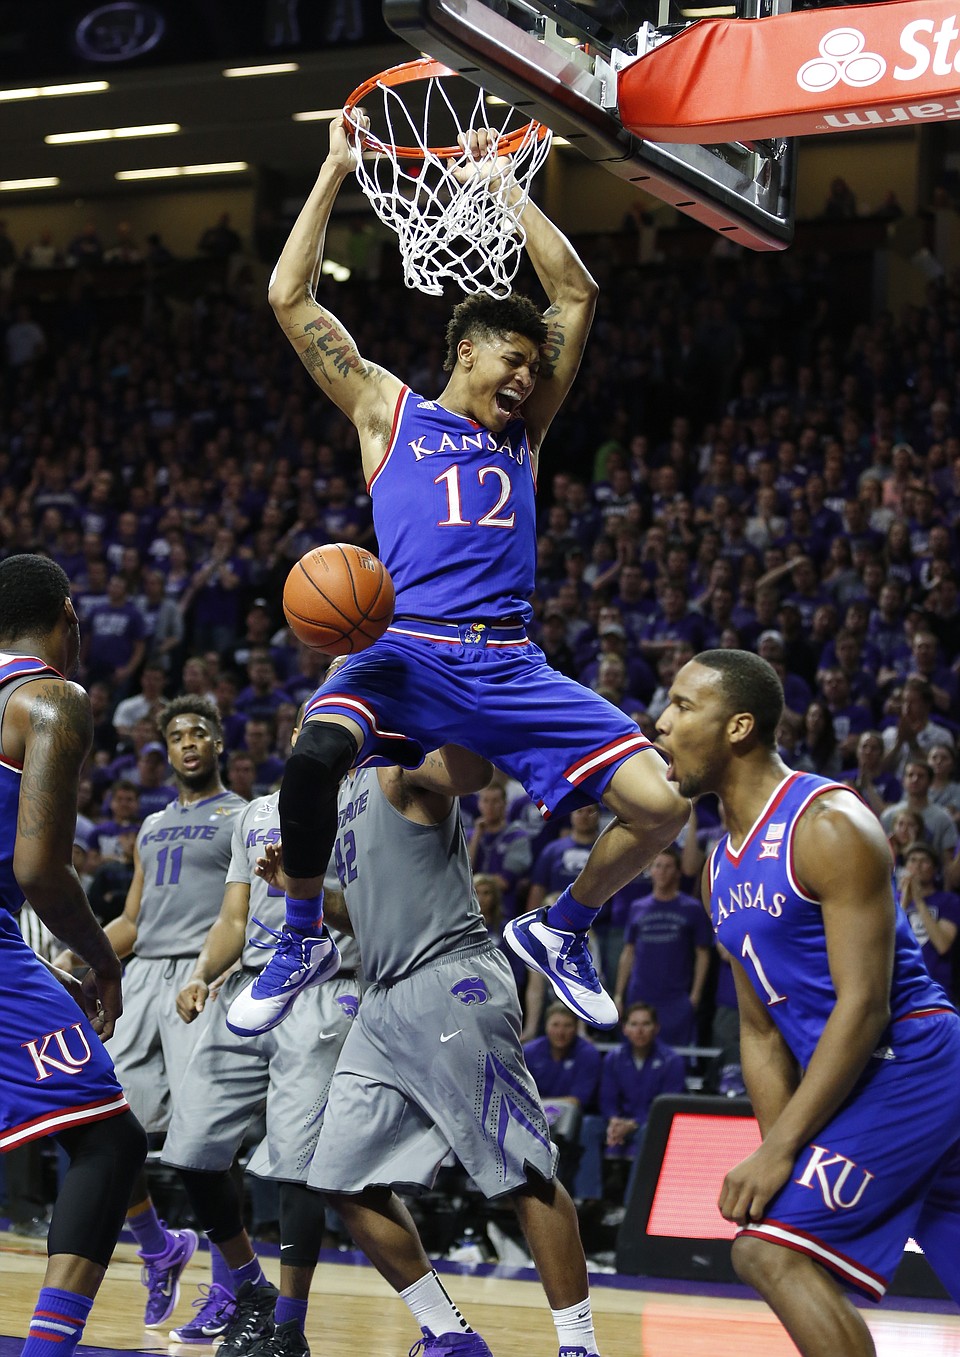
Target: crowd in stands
752 456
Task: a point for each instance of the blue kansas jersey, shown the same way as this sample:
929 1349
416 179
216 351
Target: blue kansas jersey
455 514
13 667
775 930
56 1071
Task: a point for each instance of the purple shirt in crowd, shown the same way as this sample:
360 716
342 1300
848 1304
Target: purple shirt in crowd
576 1076
627 1089
113 632
942 905
665 934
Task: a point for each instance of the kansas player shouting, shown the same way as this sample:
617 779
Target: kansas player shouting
452 480
850 1052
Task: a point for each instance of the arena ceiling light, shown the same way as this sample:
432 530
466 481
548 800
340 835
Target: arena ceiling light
54 91
278 68
179 171
111 134
14 185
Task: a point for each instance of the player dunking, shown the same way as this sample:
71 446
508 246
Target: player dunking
57 1077
850 1052
433 1061
452 481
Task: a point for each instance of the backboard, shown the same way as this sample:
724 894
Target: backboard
557 61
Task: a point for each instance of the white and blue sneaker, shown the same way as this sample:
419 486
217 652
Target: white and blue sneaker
296 964
564 958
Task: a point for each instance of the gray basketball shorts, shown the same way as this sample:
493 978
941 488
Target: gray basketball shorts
432 1064
151 1046
286 1073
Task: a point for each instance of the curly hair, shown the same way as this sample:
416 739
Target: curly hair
190 705
33 590
482 318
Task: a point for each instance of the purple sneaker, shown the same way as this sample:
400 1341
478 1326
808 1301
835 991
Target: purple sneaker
450 1345
160 1274
215 1307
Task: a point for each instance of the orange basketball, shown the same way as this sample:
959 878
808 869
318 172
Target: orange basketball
338 598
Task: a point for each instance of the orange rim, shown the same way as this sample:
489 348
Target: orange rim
426 68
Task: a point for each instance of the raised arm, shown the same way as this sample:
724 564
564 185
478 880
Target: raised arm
365 393
52 720
572 296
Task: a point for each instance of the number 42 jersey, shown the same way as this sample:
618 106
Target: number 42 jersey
764 918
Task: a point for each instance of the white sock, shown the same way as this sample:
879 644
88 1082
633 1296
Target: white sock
432 1308
575 1328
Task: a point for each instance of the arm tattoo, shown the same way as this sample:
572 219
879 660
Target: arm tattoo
62 729
551 350
331 352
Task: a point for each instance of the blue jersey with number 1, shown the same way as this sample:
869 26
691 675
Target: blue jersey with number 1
775 929
455 514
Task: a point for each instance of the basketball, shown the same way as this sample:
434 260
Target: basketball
338 599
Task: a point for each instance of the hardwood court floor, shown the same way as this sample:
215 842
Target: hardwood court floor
354 1312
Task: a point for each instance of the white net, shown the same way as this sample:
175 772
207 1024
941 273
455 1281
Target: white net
457 217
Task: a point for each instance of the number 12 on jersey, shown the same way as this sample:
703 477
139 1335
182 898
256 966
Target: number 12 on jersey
450 479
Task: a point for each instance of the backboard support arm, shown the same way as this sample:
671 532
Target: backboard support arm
744 192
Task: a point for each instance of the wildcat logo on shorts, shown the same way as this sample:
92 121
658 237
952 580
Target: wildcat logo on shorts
62 1059
471 991
350 1004
829 1172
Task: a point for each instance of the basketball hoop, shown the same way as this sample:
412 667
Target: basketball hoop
468 232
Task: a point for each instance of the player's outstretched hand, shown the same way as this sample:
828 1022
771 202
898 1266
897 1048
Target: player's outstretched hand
749 1187
346 134
102 1000
270 866
192 999
479 160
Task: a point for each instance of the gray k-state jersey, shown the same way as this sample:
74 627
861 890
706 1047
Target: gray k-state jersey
408 887
257 825
185 853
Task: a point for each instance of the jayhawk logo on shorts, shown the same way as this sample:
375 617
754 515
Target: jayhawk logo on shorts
474 634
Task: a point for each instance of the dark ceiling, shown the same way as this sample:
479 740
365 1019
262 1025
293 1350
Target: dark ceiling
247 119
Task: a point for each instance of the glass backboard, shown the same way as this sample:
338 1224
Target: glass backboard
557 60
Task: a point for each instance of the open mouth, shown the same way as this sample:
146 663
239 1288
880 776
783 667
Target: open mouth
668 760
508 402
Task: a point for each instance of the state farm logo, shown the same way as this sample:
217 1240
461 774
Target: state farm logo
841 59
931 50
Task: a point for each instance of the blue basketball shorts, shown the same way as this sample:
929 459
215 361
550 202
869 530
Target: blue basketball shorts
884 1169
489 689
56 1070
